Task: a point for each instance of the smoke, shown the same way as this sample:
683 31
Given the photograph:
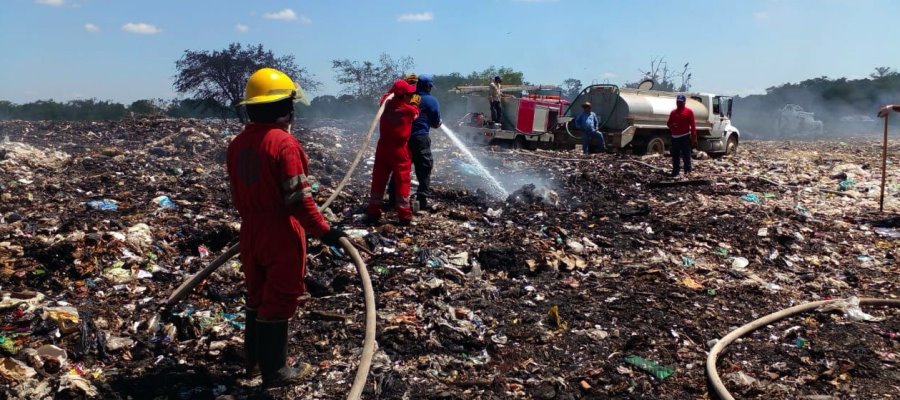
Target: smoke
512 175
844 108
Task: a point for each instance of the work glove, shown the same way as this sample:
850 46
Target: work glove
333 237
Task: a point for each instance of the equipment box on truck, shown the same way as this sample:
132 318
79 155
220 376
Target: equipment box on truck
530 114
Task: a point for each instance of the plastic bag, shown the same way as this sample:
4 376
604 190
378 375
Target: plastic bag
851 310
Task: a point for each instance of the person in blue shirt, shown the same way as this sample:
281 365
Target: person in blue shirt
420 141
588 122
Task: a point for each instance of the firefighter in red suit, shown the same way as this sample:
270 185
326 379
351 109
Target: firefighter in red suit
392 154
267 169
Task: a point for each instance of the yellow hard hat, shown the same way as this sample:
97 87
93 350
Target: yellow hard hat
268 85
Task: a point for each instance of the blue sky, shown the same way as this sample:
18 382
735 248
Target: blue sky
125 50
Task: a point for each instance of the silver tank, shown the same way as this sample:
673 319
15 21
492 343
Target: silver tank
633 107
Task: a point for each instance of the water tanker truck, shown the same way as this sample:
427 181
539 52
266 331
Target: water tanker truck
631 119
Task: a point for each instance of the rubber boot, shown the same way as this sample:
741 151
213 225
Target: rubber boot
273 341
251 343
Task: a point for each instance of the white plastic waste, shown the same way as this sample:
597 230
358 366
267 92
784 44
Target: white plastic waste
851 310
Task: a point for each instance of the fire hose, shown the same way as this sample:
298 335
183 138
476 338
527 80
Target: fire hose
603 121
368 350
718 387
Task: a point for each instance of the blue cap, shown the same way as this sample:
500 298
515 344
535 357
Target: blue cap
426 79
680 97
497 78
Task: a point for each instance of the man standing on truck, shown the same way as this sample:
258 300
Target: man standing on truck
494 96
588 123
683 128
267 170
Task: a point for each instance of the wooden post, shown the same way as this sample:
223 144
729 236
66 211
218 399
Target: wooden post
884 162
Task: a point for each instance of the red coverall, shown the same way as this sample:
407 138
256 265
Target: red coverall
267 169
392 156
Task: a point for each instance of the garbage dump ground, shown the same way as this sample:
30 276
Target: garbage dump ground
601 279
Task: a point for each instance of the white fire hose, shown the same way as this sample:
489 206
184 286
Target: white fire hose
718 387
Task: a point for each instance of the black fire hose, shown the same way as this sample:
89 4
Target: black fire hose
604 121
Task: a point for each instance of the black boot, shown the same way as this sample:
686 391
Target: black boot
273 341
251 343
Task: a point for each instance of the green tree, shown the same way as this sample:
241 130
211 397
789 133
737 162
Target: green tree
571 88
883 72
367 79
508 75
219 76
146 107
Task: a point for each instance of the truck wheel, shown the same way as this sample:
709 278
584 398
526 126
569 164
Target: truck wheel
732 145
656 145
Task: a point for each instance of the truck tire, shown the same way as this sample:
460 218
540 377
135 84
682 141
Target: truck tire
655 145
732 145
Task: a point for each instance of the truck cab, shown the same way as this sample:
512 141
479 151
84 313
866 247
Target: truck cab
715 139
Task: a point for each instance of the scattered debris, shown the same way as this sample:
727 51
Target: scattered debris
538 295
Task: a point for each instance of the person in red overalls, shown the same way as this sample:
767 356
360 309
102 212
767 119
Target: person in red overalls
267 169
392 154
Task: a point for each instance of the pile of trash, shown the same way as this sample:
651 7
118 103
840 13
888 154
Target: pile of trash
602 279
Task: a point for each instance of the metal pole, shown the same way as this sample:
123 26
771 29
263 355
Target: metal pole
883 163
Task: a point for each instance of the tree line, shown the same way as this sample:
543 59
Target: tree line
211 84
101 110
845 106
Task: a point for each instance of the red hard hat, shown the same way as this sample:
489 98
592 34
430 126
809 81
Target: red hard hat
402 87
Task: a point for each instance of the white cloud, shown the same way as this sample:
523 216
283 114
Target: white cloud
52 3
416 17
141 28
610 75
91 27
760 15
241 28
304 19
286 15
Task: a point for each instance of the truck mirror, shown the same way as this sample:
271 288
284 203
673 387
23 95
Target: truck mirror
730 103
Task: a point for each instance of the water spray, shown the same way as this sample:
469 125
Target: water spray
496 188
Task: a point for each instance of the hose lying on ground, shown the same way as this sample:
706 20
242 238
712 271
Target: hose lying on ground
368 351
716 382
369 341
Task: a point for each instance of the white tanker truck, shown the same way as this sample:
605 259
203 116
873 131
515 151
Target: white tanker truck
630 119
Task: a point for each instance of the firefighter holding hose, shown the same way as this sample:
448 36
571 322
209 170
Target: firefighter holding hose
392 154
267 170
420 140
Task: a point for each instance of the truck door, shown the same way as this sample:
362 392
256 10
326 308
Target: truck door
721 111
